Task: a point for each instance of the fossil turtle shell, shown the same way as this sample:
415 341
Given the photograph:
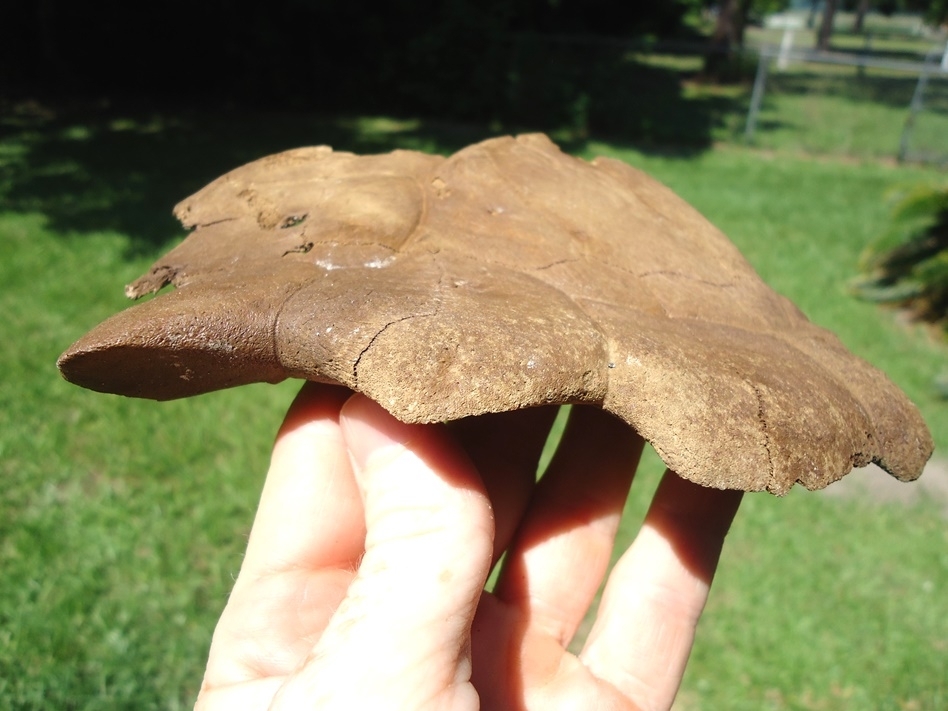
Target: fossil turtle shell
506 276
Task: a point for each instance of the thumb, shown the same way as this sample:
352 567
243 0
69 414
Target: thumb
401 637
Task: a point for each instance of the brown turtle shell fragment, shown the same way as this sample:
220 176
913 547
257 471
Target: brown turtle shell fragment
506 276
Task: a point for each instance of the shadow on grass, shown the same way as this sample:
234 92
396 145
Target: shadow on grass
909 54
850 85
123 166
95 168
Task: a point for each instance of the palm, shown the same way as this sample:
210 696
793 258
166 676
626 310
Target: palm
327 613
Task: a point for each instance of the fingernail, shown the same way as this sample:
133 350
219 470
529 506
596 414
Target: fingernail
369 430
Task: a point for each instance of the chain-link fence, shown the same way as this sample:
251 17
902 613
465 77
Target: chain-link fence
850 103
862 101
925 137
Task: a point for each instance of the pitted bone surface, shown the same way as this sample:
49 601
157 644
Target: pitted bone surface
508 275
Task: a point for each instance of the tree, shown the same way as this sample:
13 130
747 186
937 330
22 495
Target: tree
727 36
937 12
729 26
826 25
859 20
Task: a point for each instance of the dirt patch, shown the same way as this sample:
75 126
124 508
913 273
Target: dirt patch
873 484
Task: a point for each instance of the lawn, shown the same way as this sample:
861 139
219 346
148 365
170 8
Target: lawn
123 522
808 108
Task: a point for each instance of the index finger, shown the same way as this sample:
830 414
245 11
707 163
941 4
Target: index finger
310 511
306 541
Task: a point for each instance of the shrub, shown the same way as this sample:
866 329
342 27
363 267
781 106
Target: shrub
907 265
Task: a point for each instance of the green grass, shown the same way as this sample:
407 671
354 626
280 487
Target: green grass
827 606
122 522
823 109
808 109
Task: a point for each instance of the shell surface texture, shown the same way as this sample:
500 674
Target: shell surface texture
508 275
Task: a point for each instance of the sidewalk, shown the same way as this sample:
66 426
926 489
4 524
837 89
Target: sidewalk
874 484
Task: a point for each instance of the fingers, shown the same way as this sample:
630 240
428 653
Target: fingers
564 545
650 608
505 448
306 541
310 511
401 637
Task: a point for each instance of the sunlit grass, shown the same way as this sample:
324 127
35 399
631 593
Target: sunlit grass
812 108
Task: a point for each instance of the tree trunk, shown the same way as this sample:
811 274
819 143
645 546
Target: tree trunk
743 11
728 35
861 9
826 25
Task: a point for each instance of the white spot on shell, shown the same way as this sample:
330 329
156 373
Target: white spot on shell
377 263
380 263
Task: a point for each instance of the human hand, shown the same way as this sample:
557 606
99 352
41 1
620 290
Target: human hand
362 585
